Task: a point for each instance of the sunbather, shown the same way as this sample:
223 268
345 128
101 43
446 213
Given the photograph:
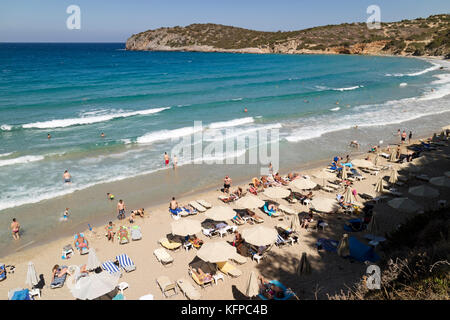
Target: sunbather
237 239
265 182
196 242
256 182
238 219
279 179
254 215
307 219
80 241
123 233
293 176
109 229
269 290
203 277
58 272
252 189
238 192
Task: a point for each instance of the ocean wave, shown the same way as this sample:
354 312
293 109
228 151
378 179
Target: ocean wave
414 74
231 134
335 109
2 155
6 127
403 84
231 123
167 134
236 99
348 88
62 123
20 160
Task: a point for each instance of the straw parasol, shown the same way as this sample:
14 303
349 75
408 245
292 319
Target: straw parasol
377 158
304 266
324 204
324 175
218 251
348 196
32 278
362 163
393 157
93 262
185 227
260 235
302 184
393 178
344 173
379 186
424 191
252 288
441 181
404 204
373 226
249 202
95 285
343 248
295 223
286 209
277 193
220 213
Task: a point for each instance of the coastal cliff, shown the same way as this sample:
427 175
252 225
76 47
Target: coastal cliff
418 37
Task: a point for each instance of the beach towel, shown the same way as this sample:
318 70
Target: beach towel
21 295
58 282
83 250
327 244
125 262
287 292
175 211
354 225
110 267
136 233
361 252
2 272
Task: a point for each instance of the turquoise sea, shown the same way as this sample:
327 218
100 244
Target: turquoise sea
142 100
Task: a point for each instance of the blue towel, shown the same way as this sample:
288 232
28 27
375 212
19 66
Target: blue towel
287 293
361 252
3 275
176 211
21 295
58 282
328 244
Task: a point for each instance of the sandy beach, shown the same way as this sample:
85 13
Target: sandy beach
330 273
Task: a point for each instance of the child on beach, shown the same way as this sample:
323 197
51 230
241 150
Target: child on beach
110 233
131 218
66 214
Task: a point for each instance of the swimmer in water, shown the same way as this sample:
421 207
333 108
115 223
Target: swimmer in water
102 135
245 110
67 178
49 136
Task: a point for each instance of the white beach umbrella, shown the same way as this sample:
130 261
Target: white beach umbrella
344 173
348 196
260 235
286 209
249 202
295 223
379 187
302 184
324 175
94 285
252 288
218 251
446 128
393 156
324 204
93 262
219 213
32 278
186 227
441 181
424 191
277 192
362 163
393 177
404 204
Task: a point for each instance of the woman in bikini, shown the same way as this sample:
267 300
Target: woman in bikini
109 230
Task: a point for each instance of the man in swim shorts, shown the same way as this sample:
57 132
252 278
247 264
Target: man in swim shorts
403 136
66 214
67 178
226 184
166 159
15 227
121 209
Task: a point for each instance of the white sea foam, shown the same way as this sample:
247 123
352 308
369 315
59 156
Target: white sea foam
167 134
236 99
414 74
348 88
20 160
5 127
335 109
403 84
2 155
61 123
231 123
218 135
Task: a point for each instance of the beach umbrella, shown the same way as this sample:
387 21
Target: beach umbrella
372 227
252 288
344 173
277 192
393 156
324 175
207 267
441 181
379 186
295 223
377 158
362 163
302 184
424 191
324 204
404 204
343 248
304 266
393 178
32 277
286 209
95 285
260 235
220 213
348 196
249 202
217 251
186 227
93 262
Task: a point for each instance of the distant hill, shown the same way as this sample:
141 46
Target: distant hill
418 37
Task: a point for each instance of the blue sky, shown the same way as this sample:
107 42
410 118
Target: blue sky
115 21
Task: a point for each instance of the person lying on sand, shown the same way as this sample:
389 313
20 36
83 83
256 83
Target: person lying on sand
238 192
196 242
252 189
256 182
110 233
269 290
123 233
58 272
293 175
238 218
203 277
279 179
81 242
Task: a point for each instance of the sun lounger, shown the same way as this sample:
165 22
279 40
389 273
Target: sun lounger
19 294
228 269
169 244
58 282
166 286
110 267
188 289
82 250
197 206
327 189
286 209
125 262
204 203
163 256
239 259
238 222
202 284
210 233
281 241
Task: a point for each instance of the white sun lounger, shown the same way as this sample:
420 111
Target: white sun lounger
239 259
188 289
197 206
166 286
163 256
204 203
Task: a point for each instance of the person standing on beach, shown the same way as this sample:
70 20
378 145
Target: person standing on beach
66 214
403 136
121 209
226 184
399 132
174 161
15 227
166 159
67 178
409 137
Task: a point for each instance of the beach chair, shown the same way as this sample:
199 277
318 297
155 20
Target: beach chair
123 239
273 214
281 242
83 250
58 282
188 289
66 251
326 188
202 284
110 267
210 233
204 203
228 269
136 233
171 245
197 206
125 262
238 222
163 256
166 285
239 259
188 211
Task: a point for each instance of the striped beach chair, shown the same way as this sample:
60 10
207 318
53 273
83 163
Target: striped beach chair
125 262
110 267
